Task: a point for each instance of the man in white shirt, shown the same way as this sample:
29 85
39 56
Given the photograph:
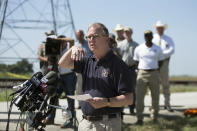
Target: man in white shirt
126 50
148 57
167 45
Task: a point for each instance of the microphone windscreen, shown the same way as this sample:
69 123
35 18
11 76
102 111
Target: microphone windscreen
51 74
51 77
51 81
51 90
38 75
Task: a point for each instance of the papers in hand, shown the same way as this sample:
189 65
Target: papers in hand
81 97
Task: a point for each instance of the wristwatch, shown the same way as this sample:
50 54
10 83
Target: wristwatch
108 102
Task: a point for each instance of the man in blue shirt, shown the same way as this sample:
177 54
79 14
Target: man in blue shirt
84 45
105 77
82 42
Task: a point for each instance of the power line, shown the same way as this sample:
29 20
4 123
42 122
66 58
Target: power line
3 19
47 15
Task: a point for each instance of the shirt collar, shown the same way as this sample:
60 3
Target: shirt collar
107 57
161 35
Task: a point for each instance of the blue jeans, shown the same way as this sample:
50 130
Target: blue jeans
68 87
52 112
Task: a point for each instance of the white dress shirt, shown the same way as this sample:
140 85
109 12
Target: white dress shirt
148 57
166 43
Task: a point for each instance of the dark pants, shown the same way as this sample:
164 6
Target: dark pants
133 81
68 86
52 111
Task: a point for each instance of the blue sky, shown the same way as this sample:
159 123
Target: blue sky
180 15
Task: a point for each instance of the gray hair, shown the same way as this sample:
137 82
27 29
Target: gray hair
101 27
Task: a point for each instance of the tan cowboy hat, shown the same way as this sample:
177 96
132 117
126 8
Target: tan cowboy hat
118 27
160 24
128 29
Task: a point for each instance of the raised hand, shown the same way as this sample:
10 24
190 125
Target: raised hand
77 53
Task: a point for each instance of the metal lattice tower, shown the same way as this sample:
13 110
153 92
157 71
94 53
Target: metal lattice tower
23 23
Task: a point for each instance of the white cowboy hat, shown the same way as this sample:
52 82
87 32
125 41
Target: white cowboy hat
118 27
160 24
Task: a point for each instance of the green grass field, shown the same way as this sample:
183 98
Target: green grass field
12 75
183 88
185 77
4 93
175 123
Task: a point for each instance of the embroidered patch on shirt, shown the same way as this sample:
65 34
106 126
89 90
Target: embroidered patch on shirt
105 73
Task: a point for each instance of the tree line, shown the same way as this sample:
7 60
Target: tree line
20 67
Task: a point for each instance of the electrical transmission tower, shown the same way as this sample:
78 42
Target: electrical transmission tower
24 22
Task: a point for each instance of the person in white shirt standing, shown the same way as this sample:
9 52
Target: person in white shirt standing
148 57
167 45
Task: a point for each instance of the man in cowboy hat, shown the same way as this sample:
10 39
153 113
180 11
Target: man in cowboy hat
167 45
119 30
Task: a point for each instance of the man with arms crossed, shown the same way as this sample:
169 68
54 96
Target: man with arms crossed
105 77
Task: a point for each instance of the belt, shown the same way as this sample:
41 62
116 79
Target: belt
67 74
150 70
98 118
167 59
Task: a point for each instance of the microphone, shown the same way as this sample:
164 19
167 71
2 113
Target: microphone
51 90
19 87
51 77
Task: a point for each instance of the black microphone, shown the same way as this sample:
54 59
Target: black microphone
27 83
51 90
51 77
17 91
38 75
